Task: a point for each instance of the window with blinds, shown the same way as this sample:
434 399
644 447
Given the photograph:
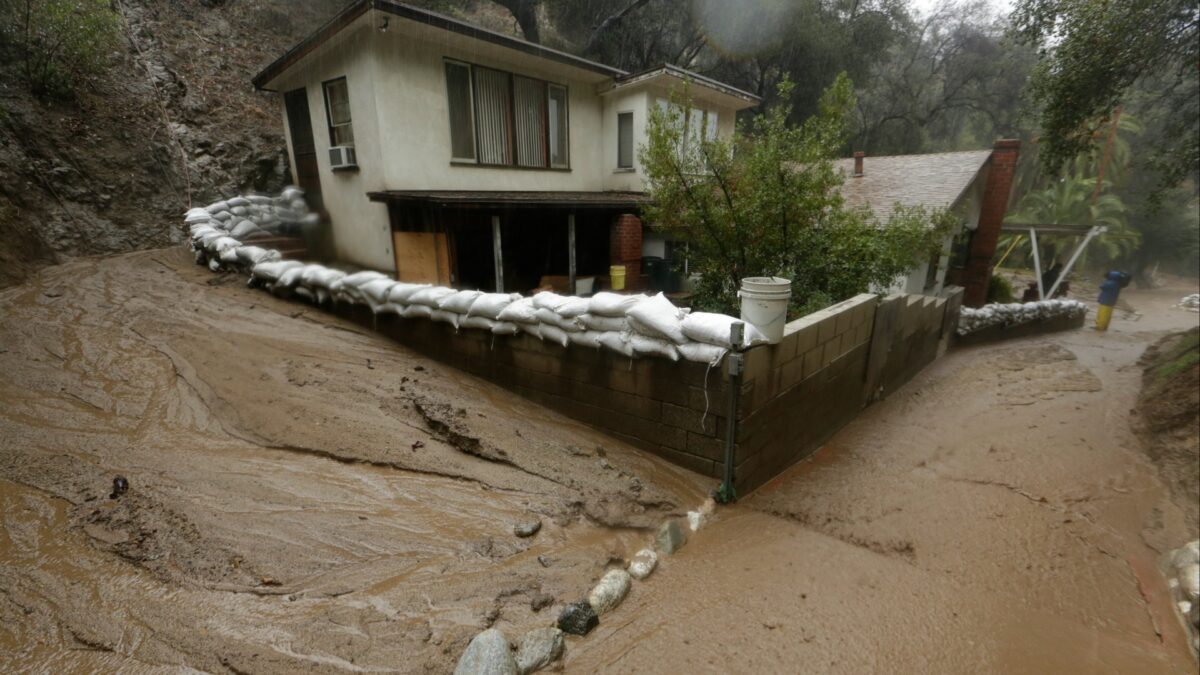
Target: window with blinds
337 112
502 119
625 140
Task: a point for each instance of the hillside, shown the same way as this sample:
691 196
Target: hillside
1169 412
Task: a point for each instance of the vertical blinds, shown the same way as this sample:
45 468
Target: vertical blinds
530 106
501 118
462 117
493 108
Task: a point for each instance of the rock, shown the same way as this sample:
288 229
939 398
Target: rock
488 654
696 520
1188 554
708 507
538 648
544 561
120 487
610 591
643 563
540 601
528 528
578 618
604 464
1189 580
670 537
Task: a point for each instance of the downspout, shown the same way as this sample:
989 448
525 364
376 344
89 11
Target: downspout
726 494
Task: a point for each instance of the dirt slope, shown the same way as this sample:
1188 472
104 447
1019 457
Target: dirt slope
304 496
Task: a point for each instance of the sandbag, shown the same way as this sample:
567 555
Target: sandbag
701 352
549 300
573 307
430 296
376 292
606 324
585 338
459 302
319 276
605 303
237 201
224 243
445 316
489 305
534 329
713 329
359 278
217 206
477 322
648 346
505 328
617 342
402 291
555 334
552 318
518 311
244 229
417 312
229 256
291 276
657 317
250 255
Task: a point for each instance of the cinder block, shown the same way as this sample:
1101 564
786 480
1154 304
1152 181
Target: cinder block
690 420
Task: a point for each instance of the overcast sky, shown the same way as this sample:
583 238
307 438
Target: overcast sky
926 6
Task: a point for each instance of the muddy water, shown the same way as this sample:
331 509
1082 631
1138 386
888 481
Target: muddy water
996 514
296 500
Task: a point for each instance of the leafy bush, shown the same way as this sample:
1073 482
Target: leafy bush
59 45
766 202
999 290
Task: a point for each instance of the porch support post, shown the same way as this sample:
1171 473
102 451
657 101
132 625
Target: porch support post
571 253
1037 263
497 255
1096 229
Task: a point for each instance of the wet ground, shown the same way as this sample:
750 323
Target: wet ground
306 496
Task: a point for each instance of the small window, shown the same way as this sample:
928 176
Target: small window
560 157
625 140
462 114
337 110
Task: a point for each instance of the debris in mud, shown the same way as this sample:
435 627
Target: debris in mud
528 528
696 520
1183 577
540 601
643 563
578 618
544 561
490 653
120 487
670 537
578 451
610 591
539 648
417 445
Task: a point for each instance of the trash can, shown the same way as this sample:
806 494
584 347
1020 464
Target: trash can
657 270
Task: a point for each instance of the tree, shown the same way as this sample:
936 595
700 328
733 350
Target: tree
59 44
766 202
1093 53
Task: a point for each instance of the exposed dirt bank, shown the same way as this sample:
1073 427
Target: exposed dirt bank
304 496
996 514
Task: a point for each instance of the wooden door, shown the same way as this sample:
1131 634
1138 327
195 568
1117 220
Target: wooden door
422 257
304 148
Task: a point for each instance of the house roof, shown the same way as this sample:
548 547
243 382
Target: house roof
511 199
670 71
422 16
935 180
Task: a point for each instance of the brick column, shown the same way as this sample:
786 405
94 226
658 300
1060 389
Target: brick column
978 270
625 247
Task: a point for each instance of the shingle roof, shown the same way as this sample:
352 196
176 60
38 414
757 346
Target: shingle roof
933 180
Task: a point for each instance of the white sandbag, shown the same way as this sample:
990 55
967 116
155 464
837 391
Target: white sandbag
244 229
214 264
506 328
200 216
237 201
359 278
305 293
713 329
445 316
291 276
617 342
573 307
552 318
549 300
224 243
555 334
402 291
417 312
430 296
217 206
701 352
585 338
534 329
229 256
224 217
459 302
238 210
489 305
250 255
644 345
612 304
377 291
481 322
518 311
260 200
389 308
607 324
657 317
319 276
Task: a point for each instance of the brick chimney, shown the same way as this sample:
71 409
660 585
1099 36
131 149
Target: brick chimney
978 271
858 163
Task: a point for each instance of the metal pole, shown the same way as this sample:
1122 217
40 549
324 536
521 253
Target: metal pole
1075 256
727 494
499 259
1037 263
571 252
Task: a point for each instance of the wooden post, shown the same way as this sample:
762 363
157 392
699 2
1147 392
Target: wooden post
571 253
497 255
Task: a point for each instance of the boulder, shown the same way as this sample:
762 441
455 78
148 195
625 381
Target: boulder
578 618
539 648
670 537
609 591
1189 581
488 654
643 563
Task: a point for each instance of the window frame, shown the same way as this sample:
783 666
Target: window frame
473 127
329 112
630 166
547 85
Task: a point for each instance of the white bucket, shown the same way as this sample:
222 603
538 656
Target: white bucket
765 303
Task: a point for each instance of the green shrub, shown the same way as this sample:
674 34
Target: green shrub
999 290
58 45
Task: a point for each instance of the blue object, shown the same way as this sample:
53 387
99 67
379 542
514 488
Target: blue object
1111 287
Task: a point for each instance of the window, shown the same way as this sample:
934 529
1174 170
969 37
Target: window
501 119
625 140
462 115
694 126
337 111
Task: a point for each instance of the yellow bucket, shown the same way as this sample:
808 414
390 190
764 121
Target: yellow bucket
617 273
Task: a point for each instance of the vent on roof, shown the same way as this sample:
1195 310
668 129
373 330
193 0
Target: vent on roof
858 163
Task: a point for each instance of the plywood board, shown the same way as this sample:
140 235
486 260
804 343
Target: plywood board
422 257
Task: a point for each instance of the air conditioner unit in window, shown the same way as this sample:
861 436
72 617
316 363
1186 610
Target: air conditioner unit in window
343 157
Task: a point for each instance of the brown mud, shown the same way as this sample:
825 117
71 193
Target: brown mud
303 495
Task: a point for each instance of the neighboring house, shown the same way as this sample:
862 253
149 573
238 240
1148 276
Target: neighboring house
974 185
449 153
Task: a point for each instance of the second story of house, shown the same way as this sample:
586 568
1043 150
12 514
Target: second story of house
428 102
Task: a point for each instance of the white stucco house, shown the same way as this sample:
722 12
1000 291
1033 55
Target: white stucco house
442 151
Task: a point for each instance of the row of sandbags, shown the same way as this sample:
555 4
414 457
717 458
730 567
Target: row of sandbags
632 325
1191 302
1013 313
247 216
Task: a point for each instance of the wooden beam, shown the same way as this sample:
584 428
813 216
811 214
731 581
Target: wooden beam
571 253
499 259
